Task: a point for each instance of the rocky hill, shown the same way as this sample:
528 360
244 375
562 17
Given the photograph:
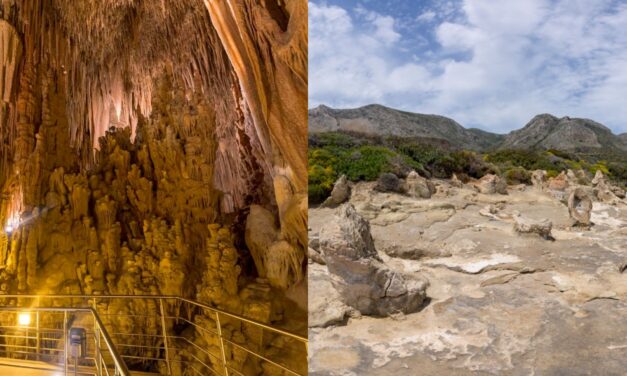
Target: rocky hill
380 120
544 131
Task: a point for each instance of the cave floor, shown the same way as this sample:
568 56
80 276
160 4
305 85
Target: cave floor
500 302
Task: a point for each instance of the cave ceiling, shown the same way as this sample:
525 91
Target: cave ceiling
122 119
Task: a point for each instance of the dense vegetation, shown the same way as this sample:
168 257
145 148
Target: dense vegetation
362 157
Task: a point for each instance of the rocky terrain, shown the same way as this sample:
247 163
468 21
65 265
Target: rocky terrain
517 280
544 131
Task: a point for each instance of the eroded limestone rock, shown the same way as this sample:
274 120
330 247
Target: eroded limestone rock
417 186
538 179
599 178
340 193
491 184
525 225
579 206
357 272
559 183
455 182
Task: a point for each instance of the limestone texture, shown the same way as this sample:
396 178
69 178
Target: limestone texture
362 280
492 184
340 193
139 140
498 302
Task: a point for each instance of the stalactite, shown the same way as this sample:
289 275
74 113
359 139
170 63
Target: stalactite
135 148
10 56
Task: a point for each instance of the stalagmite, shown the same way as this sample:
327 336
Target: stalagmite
136 138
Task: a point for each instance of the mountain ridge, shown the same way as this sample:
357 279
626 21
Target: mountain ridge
543 131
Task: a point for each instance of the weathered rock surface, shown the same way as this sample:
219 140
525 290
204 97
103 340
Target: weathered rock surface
326 306
598 178
525 225
580 206
389 182
417 186
559 183
500 303
340 193
538 179
357 272
455 182
491 184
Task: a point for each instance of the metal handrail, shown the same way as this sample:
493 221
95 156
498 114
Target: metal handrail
221 358
117 359
168 297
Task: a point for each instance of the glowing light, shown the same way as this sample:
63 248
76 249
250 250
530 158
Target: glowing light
23 319
12 224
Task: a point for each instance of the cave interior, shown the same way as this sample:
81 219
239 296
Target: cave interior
157 148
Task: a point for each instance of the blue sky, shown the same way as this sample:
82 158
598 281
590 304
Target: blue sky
485 63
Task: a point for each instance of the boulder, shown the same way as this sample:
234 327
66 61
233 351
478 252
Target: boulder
618 191
604 190
491 184
417 186
599 177
579 206
341 193
363 281
559 183
325 306
314 256
388 182
571 177
455 182
525 225
538 179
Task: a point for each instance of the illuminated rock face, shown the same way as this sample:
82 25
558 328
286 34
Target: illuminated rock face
139 138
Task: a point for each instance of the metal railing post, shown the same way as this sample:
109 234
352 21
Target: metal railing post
165 337
65 343
219 326
38 335
97 344
105 344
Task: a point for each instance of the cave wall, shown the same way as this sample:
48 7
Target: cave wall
131 129
157 147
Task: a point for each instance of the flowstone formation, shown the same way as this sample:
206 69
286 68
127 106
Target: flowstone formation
141 139
514 280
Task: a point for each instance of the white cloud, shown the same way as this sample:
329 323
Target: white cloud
427 16
496 66
351 64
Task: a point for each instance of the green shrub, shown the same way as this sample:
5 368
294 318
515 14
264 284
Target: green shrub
602 166
366 162
517 175
321 181
364 157
321 173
